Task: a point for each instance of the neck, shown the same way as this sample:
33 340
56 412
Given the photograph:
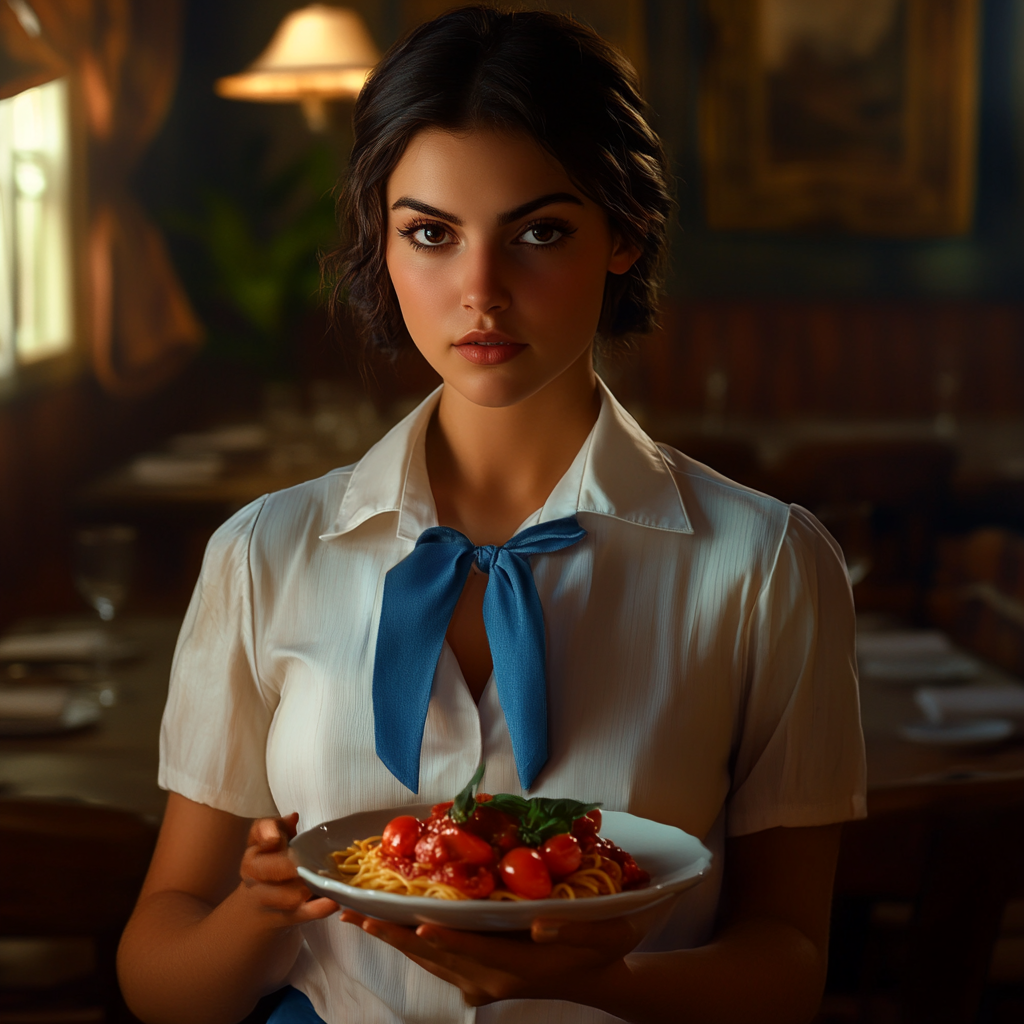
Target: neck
490 468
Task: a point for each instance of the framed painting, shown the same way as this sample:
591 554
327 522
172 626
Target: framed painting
621 22
844 115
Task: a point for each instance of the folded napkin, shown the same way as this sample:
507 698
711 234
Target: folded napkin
40 710
243 437
957 702
34 702
912 656
65 645
177 470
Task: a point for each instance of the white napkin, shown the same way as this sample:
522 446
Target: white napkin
43 710
34 702
177 470
65 645
912 656
243 437
957 702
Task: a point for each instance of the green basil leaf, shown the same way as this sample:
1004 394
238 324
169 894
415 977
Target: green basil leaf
540 817
465 803
510 804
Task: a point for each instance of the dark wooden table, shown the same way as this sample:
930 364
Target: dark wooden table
115 761
944 830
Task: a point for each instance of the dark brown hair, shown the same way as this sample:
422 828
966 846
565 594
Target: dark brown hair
529 72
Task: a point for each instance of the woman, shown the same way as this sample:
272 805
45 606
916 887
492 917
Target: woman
506 206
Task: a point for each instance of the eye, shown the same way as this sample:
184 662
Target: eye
427 236
544 234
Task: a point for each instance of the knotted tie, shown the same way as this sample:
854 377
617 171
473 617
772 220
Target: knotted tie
420 594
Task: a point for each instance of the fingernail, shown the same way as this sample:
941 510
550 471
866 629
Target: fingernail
545 931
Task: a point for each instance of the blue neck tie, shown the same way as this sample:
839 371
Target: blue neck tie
420 594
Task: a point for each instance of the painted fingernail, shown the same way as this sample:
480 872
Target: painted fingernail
545 931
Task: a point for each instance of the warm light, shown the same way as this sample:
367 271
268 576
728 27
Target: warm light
318 53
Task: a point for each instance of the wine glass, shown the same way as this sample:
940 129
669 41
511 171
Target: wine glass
104 560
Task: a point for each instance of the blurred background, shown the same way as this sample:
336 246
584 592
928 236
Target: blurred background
843 326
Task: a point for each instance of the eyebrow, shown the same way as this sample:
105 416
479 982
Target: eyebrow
408 203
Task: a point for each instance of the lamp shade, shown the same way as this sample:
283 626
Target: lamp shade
318 52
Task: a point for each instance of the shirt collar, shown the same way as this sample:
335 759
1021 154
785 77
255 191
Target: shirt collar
619 472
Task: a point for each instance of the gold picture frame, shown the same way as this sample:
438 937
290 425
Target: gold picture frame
622 22
849 115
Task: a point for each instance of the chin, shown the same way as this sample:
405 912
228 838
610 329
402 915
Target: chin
493 390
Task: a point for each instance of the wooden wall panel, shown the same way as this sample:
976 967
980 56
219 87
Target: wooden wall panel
833 360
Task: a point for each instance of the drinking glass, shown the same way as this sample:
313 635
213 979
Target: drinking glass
104 560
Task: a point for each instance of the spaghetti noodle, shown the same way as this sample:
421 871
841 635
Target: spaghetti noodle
363 864
500 847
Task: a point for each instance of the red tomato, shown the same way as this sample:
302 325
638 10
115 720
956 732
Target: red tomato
431 850
466 847
633 876
588 825
439 810
473 881
562 854
452 844
400 836
496 827
524 872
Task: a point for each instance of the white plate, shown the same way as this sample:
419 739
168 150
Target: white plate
675 860
971 733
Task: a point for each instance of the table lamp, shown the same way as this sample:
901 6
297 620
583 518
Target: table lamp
318 53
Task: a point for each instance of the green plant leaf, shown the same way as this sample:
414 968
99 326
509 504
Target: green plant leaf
465 803
540 817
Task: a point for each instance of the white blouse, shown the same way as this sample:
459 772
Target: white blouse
700 669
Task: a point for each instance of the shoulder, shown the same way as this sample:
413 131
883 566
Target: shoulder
283 520
745 526
722 511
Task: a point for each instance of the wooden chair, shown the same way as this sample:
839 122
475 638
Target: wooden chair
70 870
954 853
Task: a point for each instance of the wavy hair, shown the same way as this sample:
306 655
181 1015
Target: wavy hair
529 72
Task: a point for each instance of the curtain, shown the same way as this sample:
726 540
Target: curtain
123 56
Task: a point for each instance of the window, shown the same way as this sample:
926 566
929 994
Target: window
36 318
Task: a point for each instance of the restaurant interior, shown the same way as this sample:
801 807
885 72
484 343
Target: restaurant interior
842 327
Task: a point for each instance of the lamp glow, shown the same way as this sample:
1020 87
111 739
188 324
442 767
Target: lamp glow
318 53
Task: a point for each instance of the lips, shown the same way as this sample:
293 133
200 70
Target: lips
488 348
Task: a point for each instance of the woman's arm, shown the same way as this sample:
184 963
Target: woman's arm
765 964
202 945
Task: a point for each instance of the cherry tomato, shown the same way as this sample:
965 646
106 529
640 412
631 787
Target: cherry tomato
524 872
439 810
588 825
452 844
473 881
400 836
562 854
466 847
633 876
496 827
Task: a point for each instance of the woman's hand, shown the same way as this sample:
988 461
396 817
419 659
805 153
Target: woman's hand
558 960
270 878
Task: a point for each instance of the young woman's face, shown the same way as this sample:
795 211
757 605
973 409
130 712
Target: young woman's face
498 261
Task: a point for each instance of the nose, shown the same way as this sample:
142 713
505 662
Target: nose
484 285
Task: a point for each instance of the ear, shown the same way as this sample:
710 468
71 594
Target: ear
623 257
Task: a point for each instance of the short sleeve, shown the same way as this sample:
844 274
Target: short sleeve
799 759
213 739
